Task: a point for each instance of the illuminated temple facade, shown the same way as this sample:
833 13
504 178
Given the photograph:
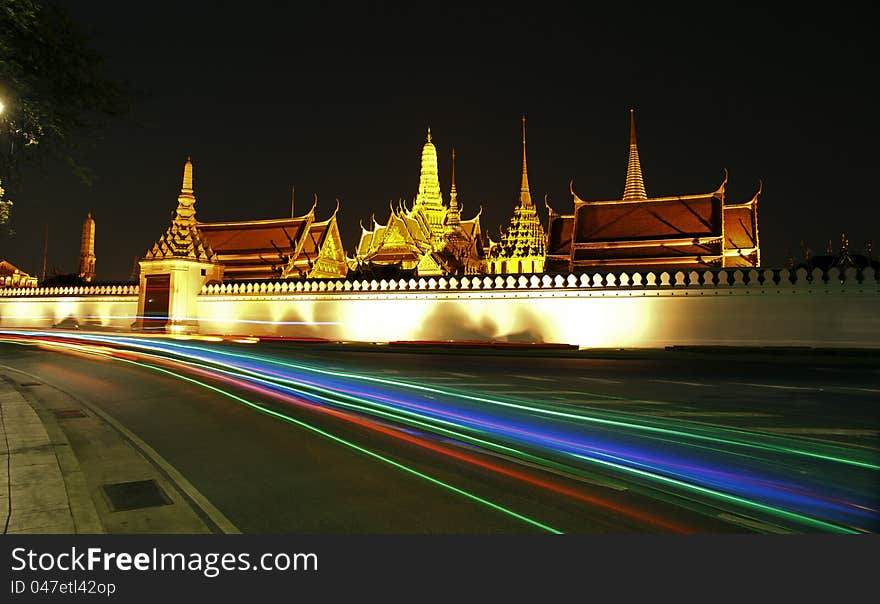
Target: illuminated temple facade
640 232
428 239
295 247
521 248
12 276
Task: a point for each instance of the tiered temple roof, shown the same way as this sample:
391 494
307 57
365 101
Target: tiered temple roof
295 247
522 246
428 239
182 239
691 231
12 276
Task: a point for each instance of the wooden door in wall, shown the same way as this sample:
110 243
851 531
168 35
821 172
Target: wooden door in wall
156 302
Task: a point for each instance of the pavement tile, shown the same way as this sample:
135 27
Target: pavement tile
25 521
59 528
36 497
33 457
21 475
22 442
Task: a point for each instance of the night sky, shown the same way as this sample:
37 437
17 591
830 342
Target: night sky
336 101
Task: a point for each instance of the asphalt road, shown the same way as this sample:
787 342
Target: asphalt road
273 476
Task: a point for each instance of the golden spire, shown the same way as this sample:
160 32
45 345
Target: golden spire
187 186
186 201
525 197
452 219
429 182
453 195
183 238
635 185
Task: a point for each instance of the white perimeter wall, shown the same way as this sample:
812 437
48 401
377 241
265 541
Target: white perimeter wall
838 317
826 310
107 311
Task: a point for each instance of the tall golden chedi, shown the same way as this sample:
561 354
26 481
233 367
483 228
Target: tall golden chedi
429 201
522 246
638 232
424 240
87 250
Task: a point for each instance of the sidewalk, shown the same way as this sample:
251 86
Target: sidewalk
42 487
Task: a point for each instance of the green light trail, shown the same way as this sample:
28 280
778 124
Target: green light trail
563 414
350 445
399 415
827 526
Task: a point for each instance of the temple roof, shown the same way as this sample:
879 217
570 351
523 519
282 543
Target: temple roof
668 217
256 236
7 268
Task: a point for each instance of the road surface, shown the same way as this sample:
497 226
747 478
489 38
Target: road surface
313 438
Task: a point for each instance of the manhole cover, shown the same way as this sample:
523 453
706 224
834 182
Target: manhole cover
135 495
68 413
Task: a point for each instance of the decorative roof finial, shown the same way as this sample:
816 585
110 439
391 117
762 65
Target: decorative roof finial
453 195
187 186
429 134
452 218
635 184
525 196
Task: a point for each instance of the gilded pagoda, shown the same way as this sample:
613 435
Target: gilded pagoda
521 248
295 247
638 232
427 239
87 250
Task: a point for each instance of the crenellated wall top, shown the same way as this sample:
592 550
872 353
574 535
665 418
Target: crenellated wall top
70 291
706 279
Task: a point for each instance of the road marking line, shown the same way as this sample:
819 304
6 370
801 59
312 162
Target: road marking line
857 389
777 386
604 401
601 380
534 378
679 382
753 524
712 414
464 375
823 431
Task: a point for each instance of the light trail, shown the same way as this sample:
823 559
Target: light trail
272 413
766 484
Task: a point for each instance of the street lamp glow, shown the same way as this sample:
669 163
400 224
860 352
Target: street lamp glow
1 107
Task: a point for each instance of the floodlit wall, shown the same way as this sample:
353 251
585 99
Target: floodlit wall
718 307
110 306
